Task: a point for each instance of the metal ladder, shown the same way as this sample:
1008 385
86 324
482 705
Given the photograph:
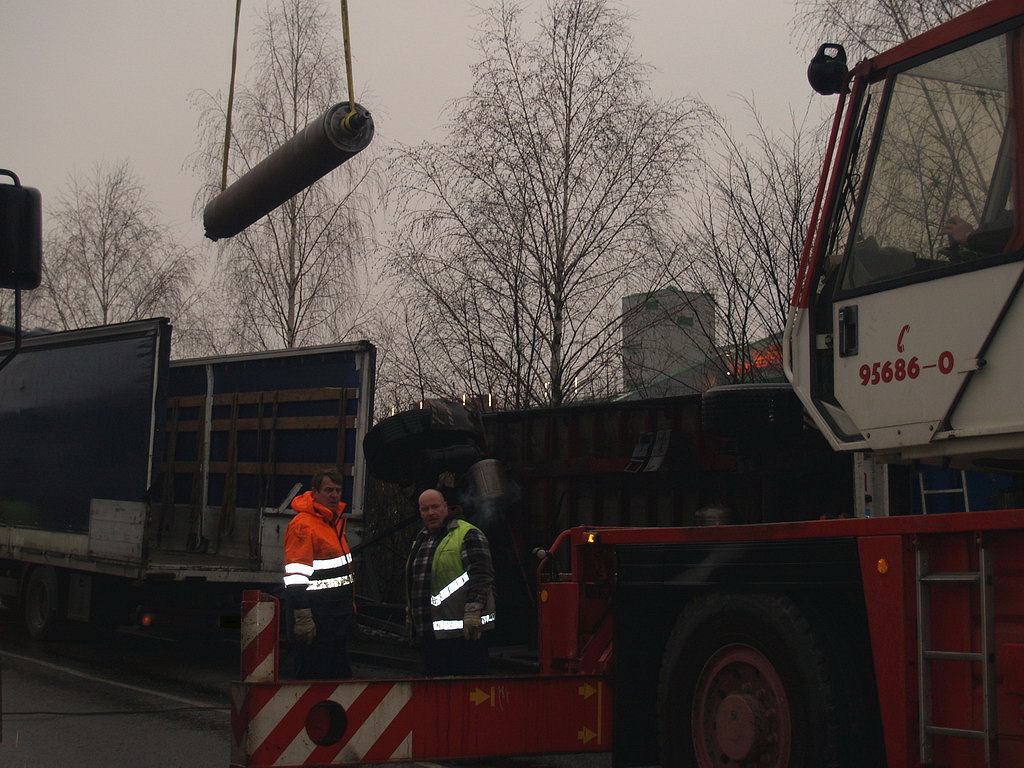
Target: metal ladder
927 492
986 657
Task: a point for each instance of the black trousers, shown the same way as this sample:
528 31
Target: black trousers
326 658
454 656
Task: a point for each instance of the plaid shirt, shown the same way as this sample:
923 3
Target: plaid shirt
476 555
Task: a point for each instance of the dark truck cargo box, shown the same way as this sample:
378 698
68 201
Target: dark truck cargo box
637 463
115 460
77 422
655 463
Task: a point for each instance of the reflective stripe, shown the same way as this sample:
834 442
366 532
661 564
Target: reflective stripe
447 592
450 624
442 624
334 562
339 581
298 574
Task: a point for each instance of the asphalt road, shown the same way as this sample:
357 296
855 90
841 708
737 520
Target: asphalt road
56 716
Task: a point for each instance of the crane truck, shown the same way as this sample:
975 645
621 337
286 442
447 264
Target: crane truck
891 639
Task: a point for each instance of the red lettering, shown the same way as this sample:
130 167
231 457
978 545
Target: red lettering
946 362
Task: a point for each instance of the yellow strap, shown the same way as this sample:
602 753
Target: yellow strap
231 86
231 98
348 60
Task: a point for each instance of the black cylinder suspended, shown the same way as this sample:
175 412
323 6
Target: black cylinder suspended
315 151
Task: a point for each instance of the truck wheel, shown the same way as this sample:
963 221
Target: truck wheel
743 682
404 447
740 411
42 602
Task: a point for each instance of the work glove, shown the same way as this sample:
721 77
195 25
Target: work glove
472 629
305 627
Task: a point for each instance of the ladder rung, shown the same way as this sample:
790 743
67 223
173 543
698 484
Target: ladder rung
930 491
964 577
981 581
939 730
954 655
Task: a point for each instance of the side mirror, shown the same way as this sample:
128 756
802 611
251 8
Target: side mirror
21 235
826 73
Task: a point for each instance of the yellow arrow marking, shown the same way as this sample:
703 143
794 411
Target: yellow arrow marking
585 734
479 696
587 690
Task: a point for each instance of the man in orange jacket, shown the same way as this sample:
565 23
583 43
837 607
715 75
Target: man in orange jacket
319 581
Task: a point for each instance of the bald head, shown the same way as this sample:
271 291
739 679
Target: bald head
433 509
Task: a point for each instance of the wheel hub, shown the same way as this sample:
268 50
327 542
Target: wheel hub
739 723
740 712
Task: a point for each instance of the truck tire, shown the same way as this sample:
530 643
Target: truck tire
404 447
743 681
43 602
738 411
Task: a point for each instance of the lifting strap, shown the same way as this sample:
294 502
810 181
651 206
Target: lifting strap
346 123
231 97
348 67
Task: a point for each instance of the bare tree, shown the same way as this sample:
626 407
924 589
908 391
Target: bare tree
29 300
107 258
528 225
742 239
405 343
746 219
288 280
868 27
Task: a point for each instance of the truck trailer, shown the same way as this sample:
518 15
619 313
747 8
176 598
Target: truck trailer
140 490
894 638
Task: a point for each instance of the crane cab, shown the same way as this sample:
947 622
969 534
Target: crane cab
906 325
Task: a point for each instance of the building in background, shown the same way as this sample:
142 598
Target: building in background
667 338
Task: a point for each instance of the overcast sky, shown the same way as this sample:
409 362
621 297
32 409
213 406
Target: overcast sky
106 80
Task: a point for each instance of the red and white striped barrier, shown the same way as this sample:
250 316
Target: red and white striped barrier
261 626
323 724
359 722
297 724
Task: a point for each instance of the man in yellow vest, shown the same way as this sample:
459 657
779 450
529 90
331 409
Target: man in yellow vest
450 588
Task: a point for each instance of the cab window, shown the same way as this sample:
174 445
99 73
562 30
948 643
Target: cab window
940 192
